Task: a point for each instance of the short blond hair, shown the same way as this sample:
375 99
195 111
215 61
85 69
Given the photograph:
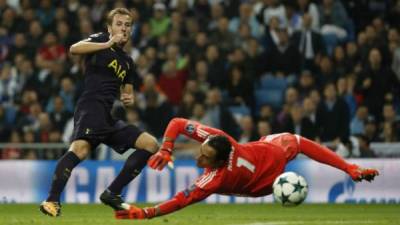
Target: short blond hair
122 11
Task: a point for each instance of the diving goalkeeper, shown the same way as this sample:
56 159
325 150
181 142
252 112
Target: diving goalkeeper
235 169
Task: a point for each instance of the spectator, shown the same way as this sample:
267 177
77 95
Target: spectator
357 125
255 60
365 148
200 76
245 17
172 82
240 90
283 58
339 61
58 114
9 20
50 52
297 123
388 133
67 93
199 113
309 43
291 100
310 112
156 114
5 124
185 109
332 127
333 18
244 34
198 48
216 71
35 34
217 12
21 46
345 89
12 151
30 153
263 128
305 83
133 117
309 7
65 37
46 13
371 130
293 17
353 58
271 38
8 85
248 131
267 113
389 116
54 136
159 23
374 82
327 72
222 36
220 116
267 9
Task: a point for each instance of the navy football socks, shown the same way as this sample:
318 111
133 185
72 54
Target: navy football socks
61 175
133 166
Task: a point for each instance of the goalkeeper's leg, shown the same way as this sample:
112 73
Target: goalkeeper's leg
78 151
324 155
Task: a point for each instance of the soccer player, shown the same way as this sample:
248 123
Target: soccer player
235 169
109 73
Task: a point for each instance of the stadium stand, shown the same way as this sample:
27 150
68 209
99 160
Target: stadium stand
40 81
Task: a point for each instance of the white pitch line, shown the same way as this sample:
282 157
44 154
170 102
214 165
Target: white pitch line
309 222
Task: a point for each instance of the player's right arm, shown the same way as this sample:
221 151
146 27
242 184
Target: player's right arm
179 201
87 46
205 185
189 128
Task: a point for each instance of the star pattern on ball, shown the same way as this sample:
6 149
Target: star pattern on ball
284 198
282 181
298 187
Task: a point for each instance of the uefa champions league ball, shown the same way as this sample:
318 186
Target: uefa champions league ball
290 189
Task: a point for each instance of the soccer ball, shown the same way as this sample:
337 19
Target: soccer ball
290 189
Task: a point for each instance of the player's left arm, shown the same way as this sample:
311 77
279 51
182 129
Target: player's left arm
127 91
190 129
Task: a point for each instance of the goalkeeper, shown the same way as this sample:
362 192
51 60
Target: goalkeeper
235 169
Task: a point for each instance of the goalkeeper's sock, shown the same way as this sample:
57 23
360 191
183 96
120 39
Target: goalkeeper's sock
322 154
133 166
62 174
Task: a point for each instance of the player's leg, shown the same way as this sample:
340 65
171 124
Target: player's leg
324 155
145 145
78 151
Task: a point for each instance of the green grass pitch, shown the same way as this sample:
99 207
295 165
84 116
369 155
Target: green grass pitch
218 214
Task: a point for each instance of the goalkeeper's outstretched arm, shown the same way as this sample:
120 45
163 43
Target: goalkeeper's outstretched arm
179 201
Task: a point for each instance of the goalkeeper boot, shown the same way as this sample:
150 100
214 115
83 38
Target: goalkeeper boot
114 201
50 208
358 173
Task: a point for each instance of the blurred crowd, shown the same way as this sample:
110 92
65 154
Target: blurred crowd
326 69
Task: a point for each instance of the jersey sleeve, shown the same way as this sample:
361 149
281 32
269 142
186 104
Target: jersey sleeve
192 129
204 186
98 37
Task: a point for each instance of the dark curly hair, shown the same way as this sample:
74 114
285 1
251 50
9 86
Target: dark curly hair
222 145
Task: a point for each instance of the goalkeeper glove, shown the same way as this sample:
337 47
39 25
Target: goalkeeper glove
163 157
136 213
